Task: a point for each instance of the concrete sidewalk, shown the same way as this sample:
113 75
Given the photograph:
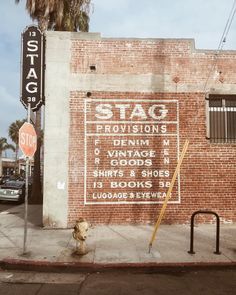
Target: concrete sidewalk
111 245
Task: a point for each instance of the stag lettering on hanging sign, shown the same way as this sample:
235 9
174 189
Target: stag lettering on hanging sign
32 68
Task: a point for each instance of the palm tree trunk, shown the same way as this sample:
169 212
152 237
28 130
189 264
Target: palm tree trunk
16 158
42 23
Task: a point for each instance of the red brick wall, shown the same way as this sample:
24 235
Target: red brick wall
176 58
208 171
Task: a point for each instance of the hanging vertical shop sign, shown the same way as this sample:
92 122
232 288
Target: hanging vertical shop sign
32 68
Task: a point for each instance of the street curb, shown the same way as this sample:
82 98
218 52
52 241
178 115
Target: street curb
48 266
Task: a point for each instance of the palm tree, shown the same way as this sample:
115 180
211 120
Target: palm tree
13 133
4 146
58 15
73 15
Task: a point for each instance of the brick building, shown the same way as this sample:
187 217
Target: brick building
118 112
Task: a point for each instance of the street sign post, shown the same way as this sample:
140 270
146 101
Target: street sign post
28 145
32 97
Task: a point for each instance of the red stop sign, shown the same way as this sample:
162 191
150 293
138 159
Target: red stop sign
28 139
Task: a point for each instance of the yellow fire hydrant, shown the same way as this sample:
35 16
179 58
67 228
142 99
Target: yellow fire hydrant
80 234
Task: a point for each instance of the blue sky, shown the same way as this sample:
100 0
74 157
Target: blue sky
202 20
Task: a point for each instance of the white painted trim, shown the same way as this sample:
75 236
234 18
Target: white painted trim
130 134
178 152
130 203
85 150
130 100
132 122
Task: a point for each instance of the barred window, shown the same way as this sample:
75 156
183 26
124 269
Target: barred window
221 117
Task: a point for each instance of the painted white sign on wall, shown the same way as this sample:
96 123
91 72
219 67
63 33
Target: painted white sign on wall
131 150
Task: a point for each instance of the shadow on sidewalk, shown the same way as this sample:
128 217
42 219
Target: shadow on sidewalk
35 212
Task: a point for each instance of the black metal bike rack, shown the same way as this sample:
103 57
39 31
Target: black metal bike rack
217 230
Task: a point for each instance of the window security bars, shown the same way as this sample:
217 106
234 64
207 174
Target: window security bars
221 117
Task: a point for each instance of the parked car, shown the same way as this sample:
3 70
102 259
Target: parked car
13 190
4 179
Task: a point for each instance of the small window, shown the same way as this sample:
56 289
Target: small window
221 115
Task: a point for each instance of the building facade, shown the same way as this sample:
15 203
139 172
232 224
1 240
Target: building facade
117 114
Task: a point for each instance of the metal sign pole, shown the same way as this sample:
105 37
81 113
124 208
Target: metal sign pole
32 73
26 191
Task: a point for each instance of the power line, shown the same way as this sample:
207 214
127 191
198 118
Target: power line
222 41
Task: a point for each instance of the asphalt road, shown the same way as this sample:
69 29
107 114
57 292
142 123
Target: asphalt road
201 282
